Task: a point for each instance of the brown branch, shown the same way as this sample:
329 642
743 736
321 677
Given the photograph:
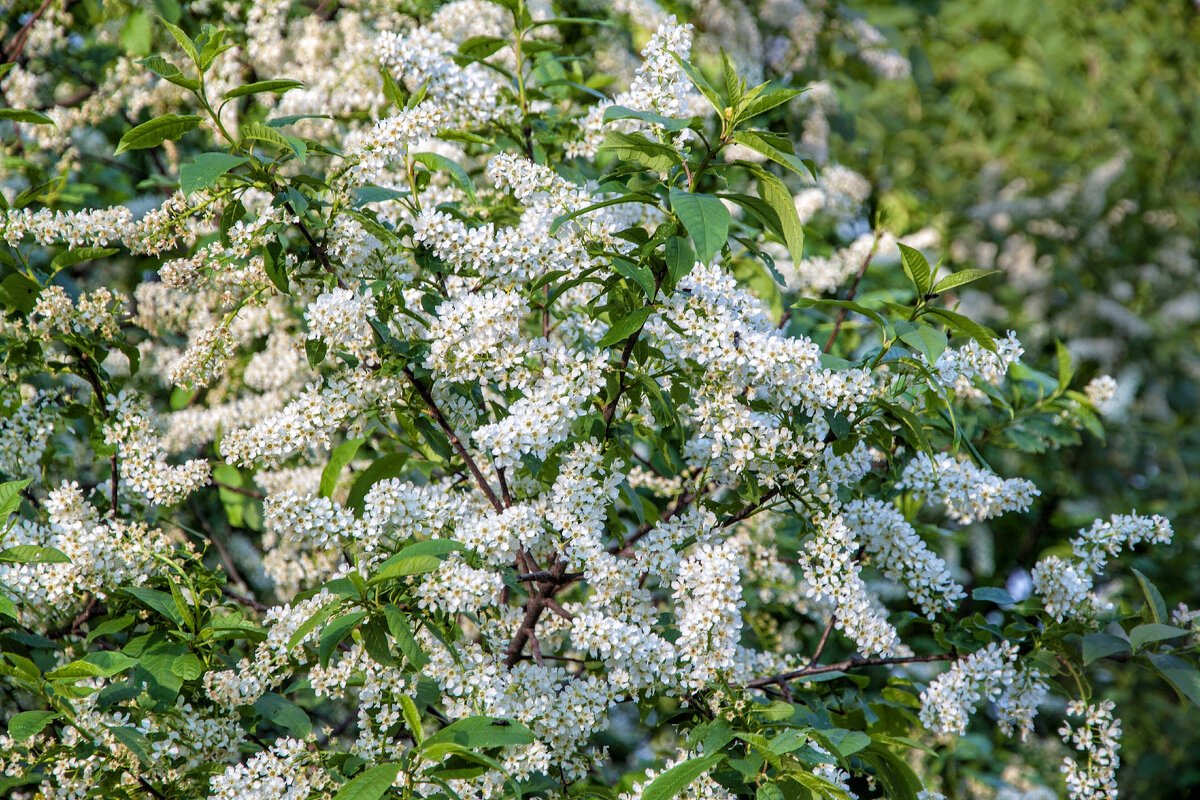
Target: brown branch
222 551
674 508
824 640
249 602
751 508
253 493
436 413
22 37
841 317
850 663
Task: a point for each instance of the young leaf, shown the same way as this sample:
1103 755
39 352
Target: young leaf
338 459
777 196
205 169
23 115
10 496
917 269
157 131
184 41
459 175
277 86
962 278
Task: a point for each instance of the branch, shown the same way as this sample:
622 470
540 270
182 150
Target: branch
850 663
22 37
841 317
436 413
249 602
751 508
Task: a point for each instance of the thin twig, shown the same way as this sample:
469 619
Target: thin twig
841 317
249 602
850 663
436 413
22 36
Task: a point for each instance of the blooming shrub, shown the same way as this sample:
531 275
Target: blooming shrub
465 434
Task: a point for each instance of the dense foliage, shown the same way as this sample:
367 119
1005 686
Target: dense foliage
547 399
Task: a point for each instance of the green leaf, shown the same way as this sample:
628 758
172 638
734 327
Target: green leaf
334 632
412 718
169 72
184 41
389 466
277 86
962 278
625 327
136 36
205 169
993 594
636 148
1100 645
402 633
284 713
680 777
10 496
481 733
33 554
480 47
701 83
457 174
766 102
1065 372
103 664
965 326
338 459
706 219
161 602
671 124
927 341
19 293
917 269
1179 673
1154 632
777 196
24 115
188 668
157 131
81 254
1154 599
371 785
759 143
28 723
845 741
681 259
401 567
255 131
